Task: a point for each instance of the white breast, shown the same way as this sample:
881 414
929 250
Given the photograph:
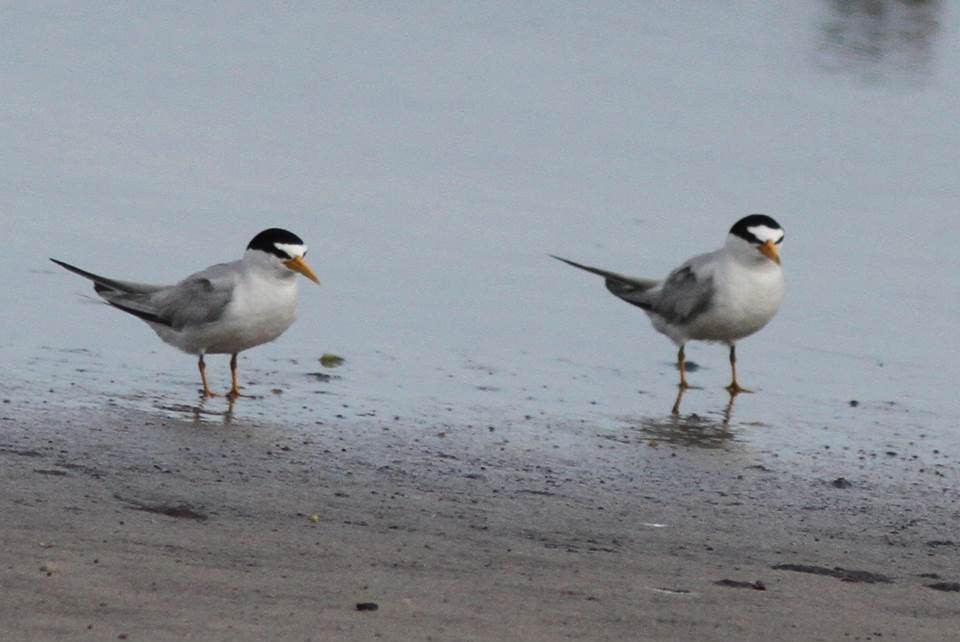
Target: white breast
261 309
747 296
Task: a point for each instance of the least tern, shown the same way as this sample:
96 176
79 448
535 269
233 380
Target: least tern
722 296
224 309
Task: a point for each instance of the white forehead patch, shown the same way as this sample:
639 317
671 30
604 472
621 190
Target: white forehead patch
764 233
291 249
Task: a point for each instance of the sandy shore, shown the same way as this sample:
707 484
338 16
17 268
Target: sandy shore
120 524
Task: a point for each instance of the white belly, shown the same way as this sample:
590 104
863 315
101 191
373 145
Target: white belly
259 312
745 301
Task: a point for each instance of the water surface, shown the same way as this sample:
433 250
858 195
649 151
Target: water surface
433 156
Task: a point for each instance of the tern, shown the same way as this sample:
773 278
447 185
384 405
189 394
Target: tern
224 309
722 296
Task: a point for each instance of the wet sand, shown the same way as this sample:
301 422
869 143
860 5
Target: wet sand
511 499
122 524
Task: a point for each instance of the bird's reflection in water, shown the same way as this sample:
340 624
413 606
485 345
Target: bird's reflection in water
199 413
693 430
878 39
727 412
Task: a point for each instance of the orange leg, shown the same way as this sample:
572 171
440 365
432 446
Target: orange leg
207 393
235 387
734 387
681 363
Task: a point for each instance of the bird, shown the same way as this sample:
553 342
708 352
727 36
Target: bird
721 296
226 308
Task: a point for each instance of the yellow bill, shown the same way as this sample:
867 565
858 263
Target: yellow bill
299 265
769 250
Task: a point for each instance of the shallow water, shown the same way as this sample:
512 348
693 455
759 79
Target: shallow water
432 158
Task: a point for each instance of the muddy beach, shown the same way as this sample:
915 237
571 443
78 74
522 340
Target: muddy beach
121 524
495 457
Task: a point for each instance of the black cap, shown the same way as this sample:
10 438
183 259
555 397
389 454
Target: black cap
740 228
267 241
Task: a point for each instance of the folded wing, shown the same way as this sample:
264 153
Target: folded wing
198 299
684 296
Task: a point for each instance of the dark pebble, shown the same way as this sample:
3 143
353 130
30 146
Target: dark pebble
756 586
950 587
367 606
841 482
845 574
941 542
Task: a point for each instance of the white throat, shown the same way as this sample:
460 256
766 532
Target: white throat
744 251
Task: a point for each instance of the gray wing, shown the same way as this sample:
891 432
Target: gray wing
200 298
686 293
631 289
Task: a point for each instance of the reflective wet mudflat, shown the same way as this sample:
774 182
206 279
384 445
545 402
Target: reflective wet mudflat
496 415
